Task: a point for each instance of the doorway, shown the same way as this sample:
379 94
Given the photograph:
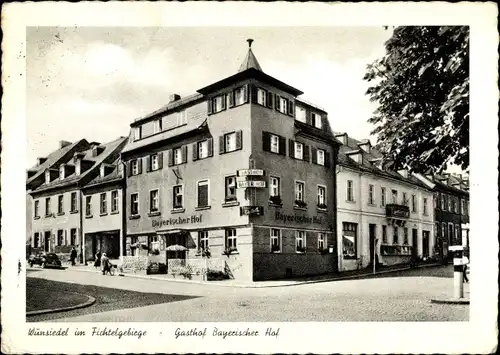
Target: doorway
425 243
373 236
414 243
46 242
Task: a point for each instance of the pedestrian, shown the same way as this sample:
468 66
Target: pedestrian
106 264
465 261
73 256
97 262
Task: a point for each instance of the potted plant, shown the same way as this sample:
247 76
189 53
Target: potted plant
321 206
275 248
301 249
206 253
275 200
300 204
229 251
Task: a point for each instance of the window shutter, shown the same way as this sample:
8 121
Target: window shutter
148 163
266 141
277 102
231 98
160 160
314 155
139 165
327 159
184 151
290 108
195 151
291 148
239 138
269 100
209 106
210 144
254 94
246 88
170 156
306 152
129 169
222 149
282 146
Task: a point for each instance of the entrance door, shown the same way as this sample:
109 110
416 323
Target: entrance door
425 243
414 240
46 242
373 236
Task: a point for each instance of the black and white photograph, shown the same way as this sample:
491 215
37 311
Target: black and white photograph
214 182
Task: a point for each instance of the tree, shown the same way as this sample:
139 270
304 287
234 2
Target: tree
421 86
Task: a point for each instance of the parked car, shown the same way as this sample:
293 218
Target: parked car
45 260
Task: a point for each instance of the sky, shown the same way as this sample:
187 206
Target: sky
92 82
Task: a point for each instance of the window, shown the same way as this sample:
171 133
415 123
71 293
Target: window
47 207
384 234
203 193
230 142
462 206
88 206
450 208
300 241
72 235
134 165
74 207
405 200
219 103
316 120
350 192
300 114
177 201
395 239
443 231
275 240
299 191
104 204
230 184
136 131
320 157
425 206
134 204
395 196
37 209
443 203
240 95
178 156
154 243
36 240
154 201
370 195
299 151
202 240
155 164
405 240
274 186
275 144
458 235
455 205
261 97
321 196
321 241
413 203
60 237
349 240
231 239
436 198
283 105
382 196
157 126
202 149
114 201
60 204
181 117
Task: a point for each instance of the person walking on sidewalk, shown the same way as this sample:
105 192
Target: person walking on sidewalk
73 256
466 262
97 262
106 264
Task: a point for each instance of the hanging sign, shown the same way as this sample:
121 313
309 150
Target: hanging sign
250 172
251 211
250 183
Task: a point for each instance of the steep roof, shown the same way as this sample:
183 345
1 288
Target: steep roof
113 176
250 60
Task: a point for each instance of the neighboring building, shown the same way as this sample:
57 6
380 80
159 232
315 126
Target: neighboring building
451 209
57 198
242 172
381 215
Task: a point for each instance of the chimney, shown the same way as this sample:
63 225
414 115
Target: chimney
342 137
174 97
40 161
365 145
63 144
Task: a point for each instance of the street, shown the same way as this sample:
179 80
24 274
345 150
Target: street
404 296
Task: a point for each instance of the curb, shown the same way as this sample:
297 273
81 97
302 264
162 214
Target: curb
451 301
90 301
339 278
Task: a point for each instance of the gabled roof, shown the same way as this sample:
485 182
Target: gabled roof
114 176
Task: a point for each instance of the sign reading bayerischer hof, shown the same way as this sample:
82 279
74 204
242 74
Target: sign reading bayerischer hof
285 218
158 223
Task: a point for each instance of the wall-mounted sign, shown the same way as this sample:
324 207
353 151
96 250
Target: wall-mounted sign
297 219
250 183
250 172
251 211
175 221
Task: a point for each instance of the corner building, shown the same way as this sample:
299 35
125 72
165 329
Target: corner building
239 176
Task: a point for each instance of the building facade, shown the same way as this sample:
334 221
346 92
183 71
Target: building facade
382 216
241 173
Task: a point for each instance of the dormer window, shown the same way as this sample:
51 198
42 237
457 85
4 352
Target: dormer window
181 118
240 96
47 176
136 131
61 172
300 114
157 126
261 97
218 103
316 120
282 105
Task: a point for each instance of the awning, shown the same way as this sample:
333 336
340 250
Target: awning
176 247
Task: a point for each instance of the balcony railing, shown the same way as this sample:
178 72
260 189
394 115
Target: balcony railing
397 211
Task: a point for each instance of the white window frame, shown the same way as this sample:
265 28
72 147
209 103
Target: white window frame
395 235
114 200
274 143
371 194
272 186
152 200
62 241
239 96
227 186
321 241
36 208
405 200
425 210
157 126
323 198
394 196
48 206
88 206
155 162
71 202
300 114
414 203
202 240
350 187
320 157
274 236
217 105
443 202
199 183
300 236
229 142
103 203
174 197
383 196
316 120
261 96
300 195
462 207
134 167
202 149
136 131
73 242
177 153
298 150
384 233
283 105
231 237
136 194
60 204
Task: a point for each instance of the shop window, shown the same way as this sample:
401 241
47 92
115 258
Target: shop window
178 197
230 184
154 204
275 240
300 241
349 240
134 204
88 206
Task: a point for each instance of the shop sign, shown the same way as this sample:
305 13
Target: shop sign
297 219
251 211
250 183
176 221
250 172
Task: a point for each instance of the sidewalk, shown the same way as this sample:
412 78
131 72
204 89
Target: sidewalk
347 275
